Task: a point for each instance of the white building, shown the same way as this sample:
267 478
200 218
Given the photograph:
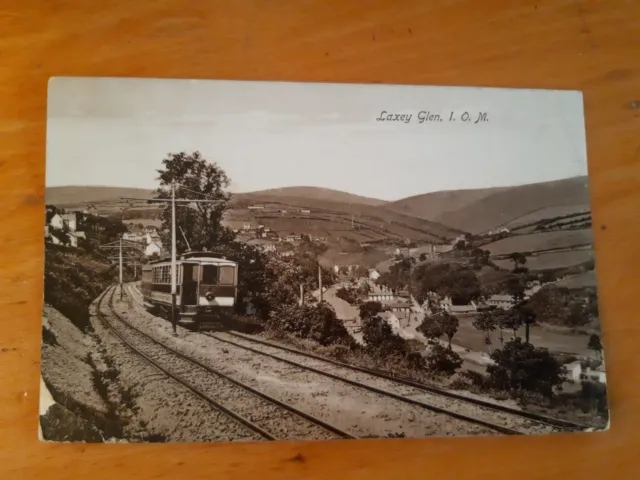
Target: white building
577 373
70 221
374 274
152 248
502 300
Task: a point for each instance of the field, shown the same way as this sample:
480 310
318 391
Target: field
552 260
541 241
583 280
557 342
548 212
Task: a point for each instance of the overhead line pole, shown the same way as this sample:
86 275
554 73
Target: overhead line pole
173 200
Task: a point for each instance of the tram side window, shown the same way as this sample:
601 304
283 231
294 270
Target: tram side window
226 275
209 274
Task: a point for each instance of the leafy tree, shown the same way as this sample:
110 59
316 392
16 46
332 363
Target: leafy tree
379 335
520 366
422 257
595 344
364 289
510 320
460 245
361 271
442 360
486 322
198 179
526 316
442 323
370 310
446 279
518 259
431 328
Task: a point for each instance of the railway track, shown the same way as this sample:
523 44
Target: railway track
270 418
498 417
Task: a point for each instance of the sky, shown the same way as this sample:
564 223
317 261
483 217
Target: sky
115 132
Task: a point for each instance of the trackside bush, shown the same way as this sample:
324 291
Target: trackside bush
316 322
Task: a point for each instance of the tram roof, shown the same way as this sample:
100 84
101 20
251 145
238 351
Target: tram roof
211 256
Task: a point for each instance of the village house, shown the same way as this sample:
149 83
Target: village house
381 294
90 210
293 238
304 210
60 222
136 237
399 307
265 245
447 305
256 207
153 248
501 300
374 274
578 372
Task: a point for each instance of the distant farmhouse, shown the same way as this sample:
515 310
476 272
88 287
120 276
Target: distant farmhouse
62 228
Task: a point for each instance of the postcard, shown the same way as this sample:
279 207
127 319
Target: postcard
235 261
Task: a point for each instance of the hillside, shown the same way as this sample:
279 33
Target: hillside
478 211
313 193
437 204
78 195
330 218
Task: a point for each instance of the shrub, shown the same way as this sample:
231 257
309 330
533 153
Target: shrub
317 322
593 396
441 360
379 336
520 366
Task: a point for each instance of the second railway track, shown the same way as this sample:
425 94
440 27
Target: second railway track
496 417
503 419
267 416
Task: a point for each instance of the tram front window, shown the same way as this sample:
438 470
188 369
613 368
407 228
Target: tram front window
210 275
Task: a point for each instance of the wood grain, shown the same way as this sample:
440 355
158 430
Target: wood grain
586 45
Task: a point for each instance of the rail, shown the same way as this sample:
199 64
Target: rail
545 420
218 373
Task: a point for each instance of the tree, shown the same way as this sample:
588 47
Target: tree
442 360
518 259
370 309
446 279
520 366
422 257
511 321
195 178
526 317
486 322
379 335
450 326
442 323
361 271
460 245
595 344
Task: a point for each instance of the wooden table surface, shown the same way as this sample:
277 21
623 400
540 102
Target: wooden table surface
593 46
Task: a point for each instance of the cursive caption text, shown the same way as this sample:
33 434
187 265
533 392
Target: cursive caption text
425 116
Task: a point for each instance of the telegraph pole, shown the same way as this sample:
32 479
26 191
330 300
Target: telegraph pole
174 200
173 256
120 264
320 280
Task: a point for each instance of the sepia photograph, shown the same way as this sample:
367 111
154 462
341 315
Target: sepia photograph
241 261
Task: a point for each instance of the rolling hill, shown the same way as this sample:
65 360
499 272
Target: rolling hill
312 193
478 211
332 214
78 195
